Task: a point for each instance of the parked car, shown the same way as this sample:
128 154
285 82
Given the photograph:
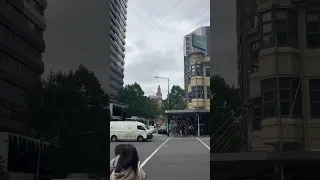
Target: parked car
163 130
152 129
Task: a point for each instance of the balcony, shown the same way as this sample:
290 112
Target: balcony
314 135
292 131
197 104
197 81
257 144
288 58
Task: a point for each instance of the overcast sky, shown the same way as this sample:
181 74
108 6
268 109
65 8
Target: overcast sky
156 54
75 30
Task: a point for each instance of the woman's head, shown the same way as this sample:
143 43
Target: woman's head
129 158
118 149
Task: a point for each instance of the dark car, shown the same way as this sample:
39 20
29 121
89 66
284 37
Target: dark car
163 130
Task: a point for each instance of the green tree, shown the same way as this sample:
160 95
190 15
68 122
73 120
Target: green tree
3 172
138 104
176 98
225 101
68 109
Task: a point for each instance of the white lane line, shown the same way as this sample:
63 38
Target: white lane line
154 152
204 143
177 138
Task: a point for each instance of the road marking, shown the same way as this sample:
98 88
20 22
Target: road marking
154 152
177 138
204 143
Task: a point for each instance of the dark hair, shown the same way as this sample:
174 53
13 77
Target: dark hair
129 158
118 149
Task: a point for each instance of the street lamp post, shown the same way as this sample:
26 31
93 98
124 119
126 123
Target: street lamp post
168 80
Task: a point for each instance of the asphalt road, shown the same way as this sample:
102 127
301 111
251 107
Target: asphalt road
185 158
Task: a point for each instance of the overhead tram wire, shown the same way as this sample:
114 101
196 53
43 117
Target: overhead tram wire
180 39
152 28
234 136
231 117
236 129
218 139
230 127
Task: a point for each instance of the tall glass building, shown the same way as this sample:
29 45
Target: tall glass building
118 17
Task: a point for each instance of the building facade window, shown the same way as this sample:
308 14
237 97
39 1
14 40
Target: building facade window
268 87
197 70
209 94
19 16
190 97
9 35
257 114
280 24
8 87
314 88
290 97
17 67
207 71
313 29
290 93
197 92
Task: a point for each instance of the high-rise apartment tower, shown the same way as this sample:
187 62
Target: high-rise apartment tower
21 46
118 17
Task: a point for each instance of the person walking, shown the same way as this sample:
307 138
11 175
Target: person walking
128 166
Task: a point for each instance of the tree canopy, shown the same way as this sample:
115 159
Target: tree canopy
71 107
138 104
176 98
225 101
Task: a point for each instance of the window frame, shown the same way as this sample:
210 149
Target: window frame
257 105
197 92
313 101
290 28
316 33
208 71
197 70
291 90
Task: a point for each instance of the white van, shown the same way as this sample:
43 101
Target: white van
129 130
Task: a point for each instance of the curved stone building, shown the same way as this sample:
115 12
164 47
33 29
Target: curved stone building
280 39
199 81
